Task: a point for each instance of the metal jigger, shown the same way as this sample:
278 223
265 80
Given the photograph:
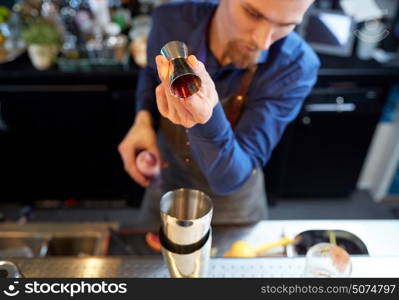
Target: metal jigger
185 234
183 82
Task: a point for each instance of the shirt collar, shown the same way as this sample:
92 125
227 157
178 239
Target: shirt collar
263 56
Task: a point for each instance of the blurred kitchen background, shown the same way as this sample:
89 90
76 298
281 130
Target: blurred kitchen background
68 71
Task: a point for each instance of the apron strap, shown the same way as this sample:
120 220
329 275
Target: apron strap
237 104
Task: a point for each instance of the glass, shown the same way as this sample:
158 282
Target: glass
327 260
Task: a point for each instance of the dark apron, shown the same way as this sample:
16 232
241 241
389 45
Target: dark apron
247 205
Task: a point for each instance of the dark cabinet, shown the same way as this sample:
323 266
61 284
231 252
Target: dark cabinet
322 152
61 142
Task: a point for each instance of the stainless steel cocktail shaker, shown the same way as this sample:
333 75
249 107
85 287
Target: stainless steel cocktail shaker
185 233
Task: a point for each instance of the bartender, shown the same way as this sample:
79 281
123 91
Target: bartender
255 72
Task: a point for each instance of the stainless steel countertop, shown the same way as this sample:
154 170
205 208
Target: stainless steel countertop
136 267
380 236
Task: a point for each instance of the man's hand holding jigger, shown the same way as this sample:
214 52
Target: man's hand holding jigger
196 109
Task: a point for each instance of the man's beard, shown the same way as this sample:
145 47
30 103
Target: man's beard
235 54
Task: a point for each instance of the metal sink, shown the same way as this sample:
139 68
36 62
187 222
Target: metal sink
77 246
51 239
347 240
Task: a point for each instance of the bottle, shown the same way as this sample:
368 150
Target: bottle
148 164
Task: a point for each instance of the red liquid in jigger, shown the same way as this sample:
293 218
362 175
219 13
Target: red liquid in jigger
185 86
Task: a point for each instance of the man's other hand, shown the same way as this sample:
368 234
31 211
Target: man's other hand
141 136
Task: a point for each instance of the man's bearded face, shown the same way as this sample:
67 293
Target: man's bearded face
241 54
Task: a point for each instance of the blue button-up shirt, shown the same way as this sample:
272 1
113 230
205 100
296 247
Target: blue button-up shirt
285 76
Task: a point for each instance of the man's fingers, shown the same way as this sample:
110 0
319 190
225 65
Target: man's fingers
196 64
192 60
200 70
162 102
137 176
167 105
173 114
186 117
199 108
162 67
